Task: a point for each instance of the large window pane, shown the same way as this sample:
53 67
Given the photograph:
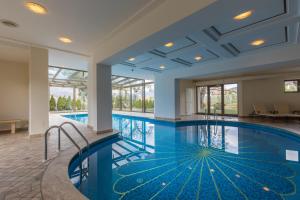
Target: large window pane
116 99
137 99
215 95
202 99
149 97
230 99
291 86
125 92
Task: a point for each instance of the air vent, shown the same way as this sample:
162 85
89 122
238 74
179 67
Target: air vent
128 64
181 61
9 23
213 33
151 69
231 49
158 53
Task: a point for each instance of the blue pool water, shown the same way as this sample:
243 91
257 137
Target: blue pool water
189 160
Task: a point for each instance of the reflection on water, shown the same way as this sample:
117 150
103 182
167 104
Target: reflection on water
156 161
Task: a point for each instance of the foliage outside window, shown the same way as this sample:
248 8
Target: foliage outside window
291 86
137 98
149 97
134 95
126 103
116 99
230 99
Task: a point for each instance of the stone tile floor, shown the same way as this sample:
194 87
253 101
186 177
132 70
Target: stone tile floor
21 157
21 161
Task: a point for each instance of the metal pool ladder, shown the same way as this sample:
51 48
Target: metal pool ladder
61 128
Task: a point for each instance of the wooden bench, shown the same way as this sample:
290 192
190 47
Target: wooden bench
12 124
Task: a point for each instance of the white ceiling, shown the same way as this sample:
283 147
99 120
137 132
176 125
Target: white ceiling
13 52
213 34
85 22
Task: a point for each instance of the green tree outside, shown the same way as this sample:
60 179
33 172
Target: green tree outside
52 103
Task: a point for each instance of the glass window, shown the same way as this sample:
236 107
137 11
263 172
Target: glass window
149 97
230 99
215 97
291 86
125 92
137 99
116 99
202 99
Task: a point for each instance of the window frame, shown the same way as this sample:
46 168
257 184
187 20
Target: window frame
222 100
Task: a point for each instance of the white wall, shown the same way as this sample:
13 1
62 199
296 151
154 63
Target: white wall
14 91
268 91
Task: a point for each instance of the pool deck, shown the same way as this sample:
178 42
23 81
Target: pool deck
23 169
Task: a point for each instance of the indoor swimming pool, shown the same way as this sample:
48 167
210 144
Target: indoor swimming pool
189 160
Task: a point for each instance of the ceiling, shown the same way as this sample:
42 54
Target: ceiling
13 52
87 23
213 34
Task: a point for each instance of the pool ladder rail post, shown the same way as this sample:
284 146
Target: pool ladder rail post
61 129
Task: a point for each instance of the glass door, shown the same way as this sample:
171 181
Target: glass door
215 99
202 105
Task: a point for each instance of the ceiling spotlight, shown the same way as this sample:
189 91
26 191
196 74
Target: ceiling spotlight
243 15
198 58
169 44
162 67
257 42
131 59
65 40
9 23
36 8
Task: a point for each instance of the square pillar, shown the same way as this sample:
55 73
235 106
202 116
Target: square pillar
38 91
167 98
100 98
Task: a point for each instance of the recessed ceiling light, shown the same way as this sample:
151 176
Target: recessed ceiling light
266 189
131 59
169 44
198 58
9 23
65 40
162 67
257 42
36 8
243 15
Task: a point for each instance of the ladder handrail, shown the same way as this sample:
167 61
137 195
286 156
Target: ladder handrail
78 131
60 128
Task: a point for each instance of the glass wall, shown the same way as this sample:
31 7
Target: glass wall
215 99
126 99
202 99
116 99
149 97
222 99
131 94
137 98
230 99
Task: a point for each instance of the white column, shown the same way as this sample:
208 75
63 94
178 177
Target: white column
100 98
38 91
167 99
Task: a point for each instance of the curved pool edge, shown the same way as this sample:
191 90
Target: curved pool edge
56 183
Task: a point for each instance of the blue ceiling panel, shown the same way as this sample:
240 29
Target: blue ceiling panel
205 54
235 7
177 45
271 37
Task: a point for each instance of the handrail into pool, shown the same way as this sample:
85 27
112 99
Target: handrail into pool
60 128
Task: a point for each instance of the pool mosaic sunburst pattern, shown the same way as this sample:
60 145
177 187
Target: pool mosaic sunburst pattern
203 161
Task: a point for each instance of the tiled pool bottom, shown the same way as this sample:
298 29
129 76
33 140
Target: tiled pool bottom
153 160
